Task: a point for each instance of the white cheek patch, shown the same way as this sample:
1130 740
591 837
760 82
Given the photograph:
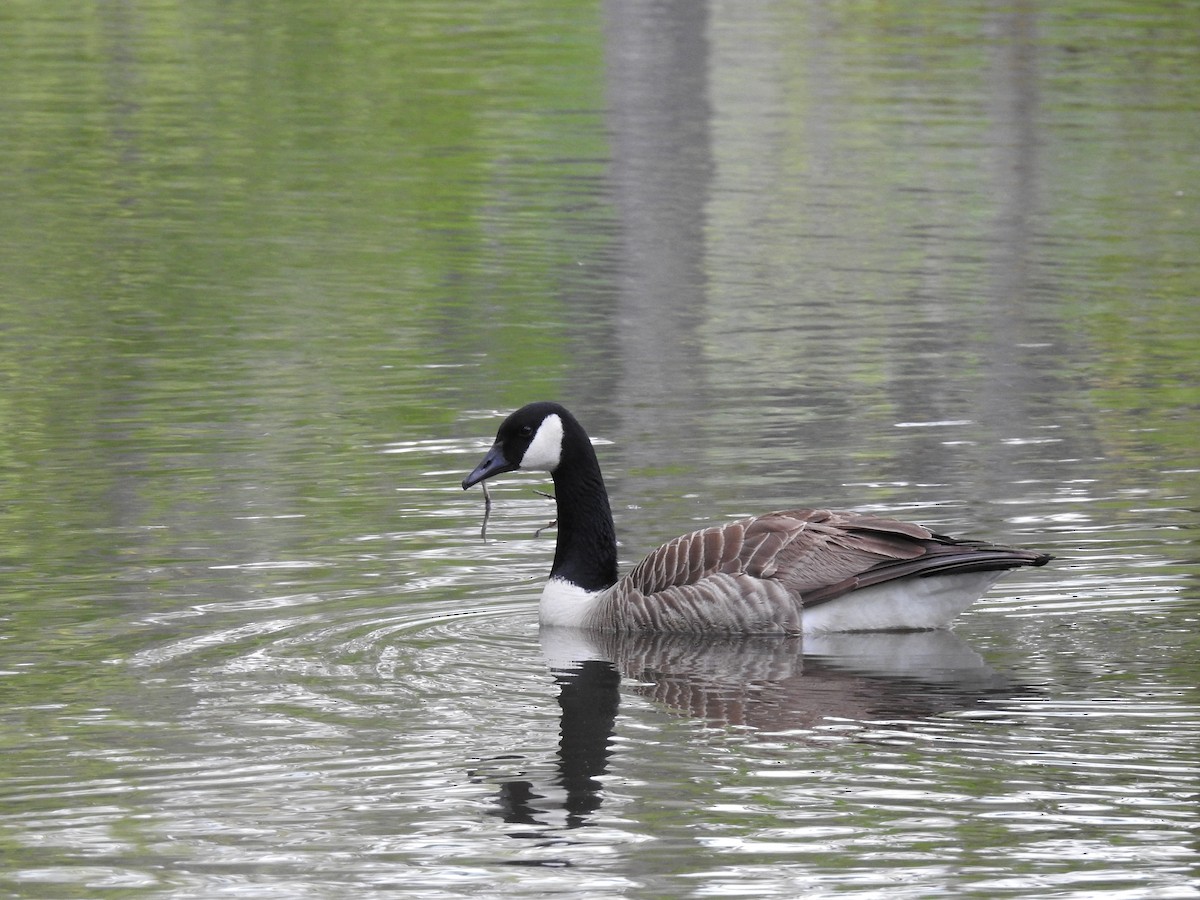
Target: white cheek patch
545 450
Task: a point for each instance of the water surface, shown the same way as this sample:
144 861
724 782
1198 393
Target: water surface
270 279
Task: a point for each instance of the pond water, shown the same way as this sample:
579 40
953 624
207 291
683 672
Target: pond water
273 273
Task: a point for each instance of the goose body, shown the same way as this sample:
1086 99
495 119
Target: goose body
789 572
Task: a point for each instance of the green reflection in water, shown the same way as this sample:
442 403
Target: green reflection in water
243 249
238 232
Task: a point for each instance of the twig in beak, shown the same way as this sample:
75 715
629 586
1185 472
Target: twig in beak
487 510
552 522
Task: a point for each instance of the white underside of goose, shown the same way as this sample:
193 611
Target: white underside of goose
914 604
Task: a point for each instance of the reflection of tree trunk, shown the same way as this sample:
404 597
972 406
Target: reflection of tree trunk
1014 140
1014 186
1004 324
707 109
1011 384
657 62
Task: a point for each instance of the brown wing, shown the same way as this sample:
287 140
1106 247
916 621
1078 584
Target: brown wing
757 574
904 550
805 549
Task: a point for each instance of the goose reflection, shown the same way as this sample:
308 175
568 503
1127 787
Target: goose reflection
588 697
777 686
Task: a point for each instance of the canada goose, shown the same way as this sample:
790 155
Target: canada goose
793 571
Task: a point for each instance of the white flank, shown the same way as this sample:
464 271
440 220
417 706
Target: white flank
545 450
565 605
931 602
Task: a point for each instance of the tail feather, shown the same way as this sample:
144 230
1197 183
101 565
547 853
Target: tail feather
960 557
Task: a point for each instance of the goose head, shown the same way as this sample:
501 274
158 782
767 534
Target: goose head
531 439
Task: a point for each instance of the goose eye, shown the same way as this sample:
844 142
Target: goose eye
526 430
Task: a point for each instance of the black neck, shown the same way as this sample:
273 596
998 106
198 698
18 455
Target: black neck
586 554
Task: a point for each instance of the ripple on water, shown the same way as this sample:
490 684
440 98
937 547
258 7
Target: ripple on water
429 744
421 732
969 791
275 724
